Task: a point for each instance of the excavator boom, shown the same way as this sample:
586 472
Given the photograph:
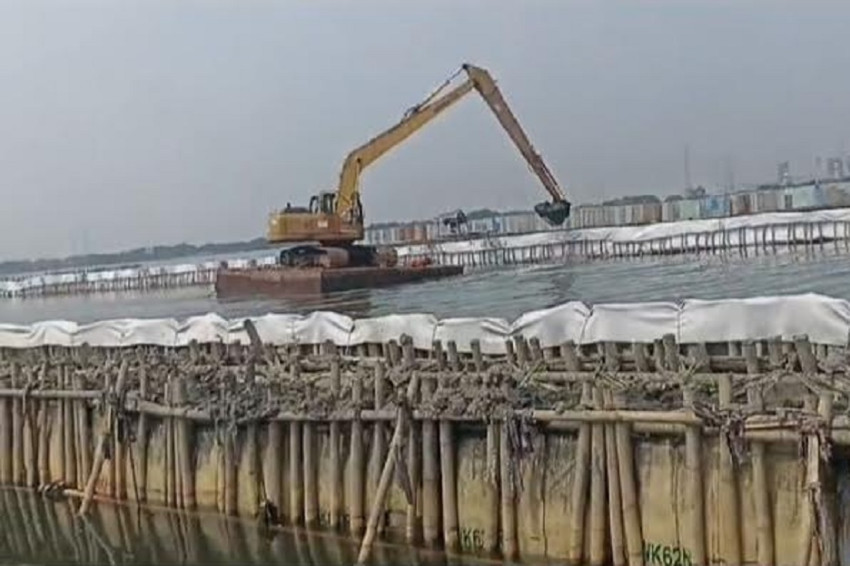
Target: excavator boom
337 218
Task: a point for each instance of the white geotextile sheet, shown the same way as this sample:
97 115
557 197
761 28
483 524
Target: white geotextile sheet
825 320
752 225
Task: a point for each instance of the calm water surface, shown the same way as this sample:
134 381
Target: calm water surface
38 531
504 292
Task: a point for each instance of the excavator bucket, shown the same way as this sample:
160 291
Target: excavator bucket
553 213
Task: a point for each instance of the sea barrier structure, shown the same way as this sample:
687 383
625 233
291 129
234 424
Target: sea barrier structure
657 433
811 231
757 234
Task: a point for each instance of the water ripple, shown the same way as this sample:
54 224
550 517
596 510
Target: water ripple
504 292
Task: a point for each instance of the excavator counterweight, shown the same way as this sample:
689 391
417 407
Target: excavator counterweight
336 218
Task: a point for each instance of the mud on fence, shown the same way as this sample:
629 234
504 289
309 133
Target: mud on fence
608 453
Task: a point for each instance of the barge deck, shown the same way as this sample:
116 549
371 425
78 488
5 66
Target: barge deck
289 282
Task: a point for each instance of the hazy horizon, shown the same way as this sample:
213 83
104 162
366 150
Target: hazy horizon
150 122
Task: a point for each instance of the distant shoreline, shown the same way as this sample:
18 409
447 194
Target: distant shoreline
128 257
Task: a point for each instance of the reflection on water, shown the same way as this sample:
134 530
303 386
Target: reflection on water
502 292
39 531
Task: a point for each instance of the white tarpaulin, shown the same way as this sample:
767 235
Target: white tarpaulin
420 327
553 326
627 322
825 320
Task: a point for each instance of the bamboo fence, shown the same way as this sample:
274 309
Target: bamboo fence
81 422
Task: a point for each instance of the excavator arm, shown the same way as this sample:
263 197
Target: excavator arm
414 119
337 219
558 210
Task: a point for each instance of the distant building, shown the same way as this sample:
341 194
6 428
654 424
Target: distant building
784 173
835 168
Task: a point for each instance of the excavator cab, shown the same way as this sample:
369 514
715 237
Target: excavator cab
317 223
323 203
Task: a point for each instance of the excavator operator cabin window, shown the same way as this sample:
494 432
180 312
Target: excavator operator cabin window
328 201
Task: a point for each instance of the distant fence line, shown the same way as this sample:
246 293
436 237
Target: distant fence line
138 281
756 240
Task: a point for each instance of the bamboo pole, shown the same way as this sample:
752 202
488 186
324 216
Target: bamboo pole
393 353
108 385
335 439
231 485
386 475
220 472
141 443
453 356
448 478
18 473
628 489
570 356
119 465
413 457
107 431
44 444
521 348
493 490
311 484
808 547
171 489
379 440
510 547
695 528
431 503
809 551
6 434
761 496
296 490
357 485
272 466
185 459
31 439
640 357
578 496
615 506
253 451
827 533
596 553
83 434
535 351
729 515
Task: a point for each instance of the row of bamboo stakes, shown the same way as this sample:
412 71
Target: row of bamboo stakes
605 524
809 236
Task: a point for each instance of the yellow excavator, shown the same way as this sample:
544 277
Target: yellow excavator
335 219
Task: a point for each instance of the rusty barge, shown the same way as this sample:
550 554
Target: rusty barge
279 281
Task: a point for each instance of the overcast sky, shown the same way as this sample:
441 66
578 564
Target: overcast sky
136 123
